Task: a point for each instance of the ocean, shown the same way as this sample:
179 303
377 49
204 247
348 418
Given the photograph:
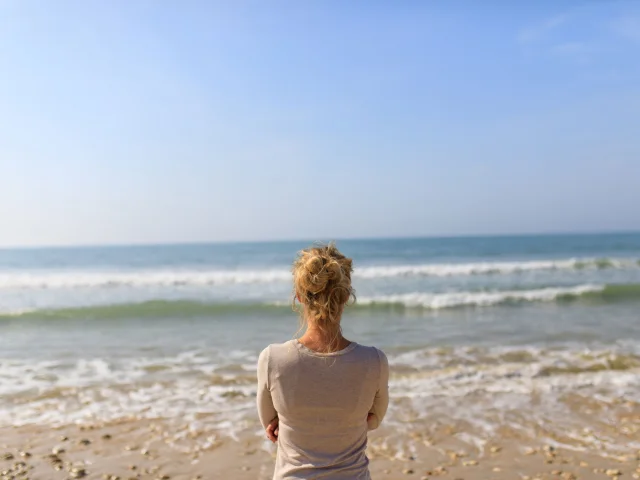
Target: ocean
529 333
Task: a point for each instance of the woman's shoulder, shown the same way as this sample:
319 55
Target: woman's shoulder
278 349
371 349
377 359
373 353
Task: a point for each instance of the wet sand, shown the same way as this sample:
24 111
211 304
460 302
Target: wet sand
143 449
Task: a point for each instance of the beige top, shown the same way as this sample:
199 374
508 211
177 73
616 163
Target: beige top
322 401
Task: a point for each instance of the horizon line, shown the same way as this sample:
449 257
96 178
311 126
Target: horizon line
299 240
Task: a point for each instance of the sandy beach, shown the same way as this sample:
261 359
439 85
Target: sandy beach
159 449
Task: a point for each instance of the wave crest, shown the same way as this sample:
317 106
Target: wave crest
436 301
417 300
205 278
496 268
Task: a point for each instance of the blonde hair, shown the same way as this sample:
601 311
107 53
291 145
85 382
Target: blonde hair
322 283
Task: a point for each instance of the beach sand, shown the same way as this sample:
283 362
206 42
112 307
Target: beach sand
145 449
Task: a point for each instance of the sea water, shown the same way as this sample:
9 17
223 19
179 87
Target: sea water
487 331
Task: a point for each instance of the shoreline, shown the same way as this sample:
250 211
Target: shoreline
158 449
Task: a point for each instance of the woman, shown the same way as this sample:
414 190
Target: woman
318 395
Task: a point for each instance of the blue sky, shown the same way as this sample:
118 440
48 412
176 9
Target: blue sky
157 121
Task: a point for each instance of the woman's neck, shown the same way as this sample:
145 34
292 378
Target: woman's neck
315 339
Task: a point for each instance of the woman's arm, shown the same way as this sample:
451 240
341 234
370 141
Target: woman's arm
381 400
266 410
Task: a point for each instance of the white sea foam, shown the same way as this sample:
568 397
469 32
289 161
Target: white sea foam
437 301
487 268
464 382
149 278
203 278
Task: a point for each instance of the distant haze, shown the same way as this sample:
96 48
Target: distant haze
147 121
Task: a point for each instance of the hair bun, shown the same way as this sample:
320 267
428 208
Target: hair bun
334 270
322 281
314 265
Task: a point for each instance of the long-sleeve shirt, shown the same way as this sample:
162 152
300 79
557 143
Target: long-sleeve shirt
323 402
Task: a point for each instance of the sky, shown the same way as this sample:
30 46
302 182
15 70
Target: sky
161 121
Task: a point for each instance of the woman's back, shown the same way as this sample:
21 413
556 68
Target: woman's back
325 403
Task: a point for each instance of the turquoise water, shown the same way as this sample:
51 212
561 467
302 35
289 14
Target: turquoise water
174 331
412 273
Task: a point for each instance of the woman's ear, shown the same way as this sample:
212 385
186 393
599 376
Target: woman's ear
298 297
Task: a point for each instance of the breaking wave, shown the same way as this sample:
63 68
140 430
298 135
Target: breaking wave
204 278
417 300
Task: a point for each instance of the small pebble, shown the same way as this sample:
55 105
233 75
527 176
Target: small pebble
470 463
106 436
495 449
78 473
613 472
85 442
407 471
